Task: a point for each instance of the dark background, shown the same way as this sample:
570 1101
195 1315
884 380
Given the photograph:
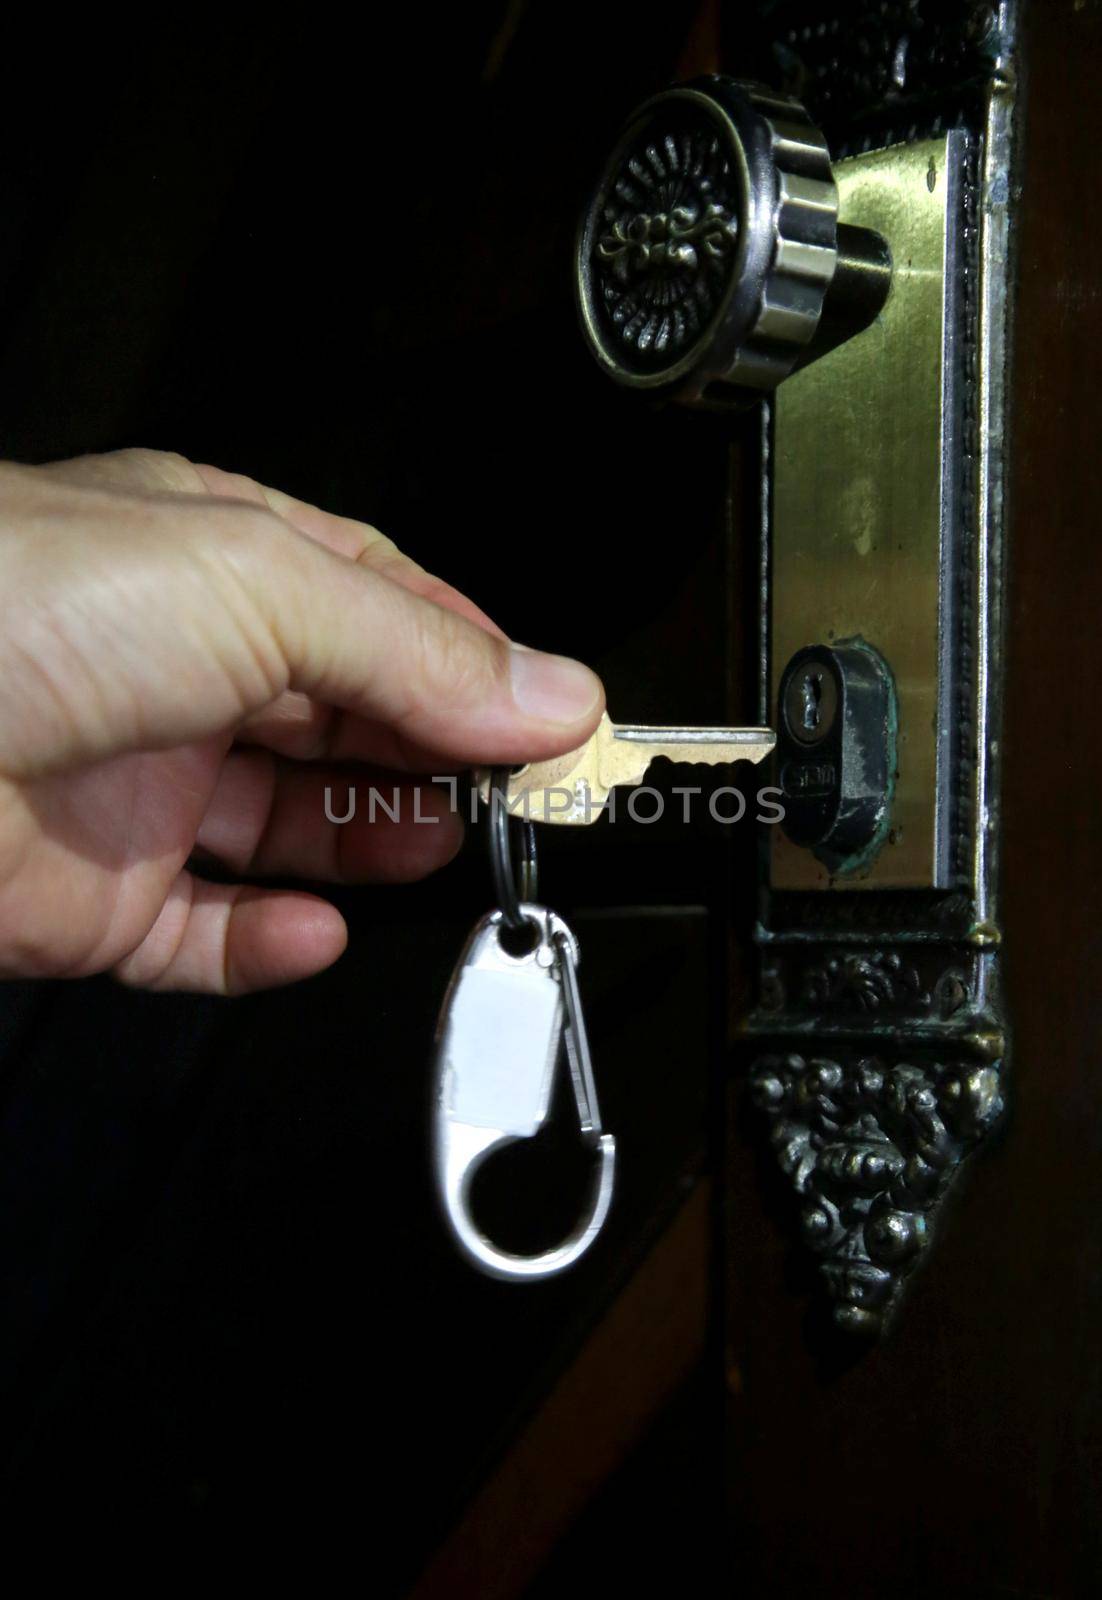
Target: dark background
339 260
342 264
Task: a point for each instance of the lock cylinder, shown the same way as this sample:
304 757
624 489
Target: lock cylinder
836 739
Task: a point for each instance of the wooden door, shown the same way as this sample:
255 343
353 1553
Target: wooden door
961 1454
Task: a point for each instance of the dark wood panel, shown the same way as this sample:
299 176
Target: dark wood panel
963 1456
641 1353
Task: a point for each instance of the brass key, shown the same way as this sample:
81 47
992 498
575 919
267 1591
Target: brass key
574 788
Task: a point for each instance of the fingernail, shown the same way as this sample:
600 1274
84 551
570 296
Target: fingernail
554 688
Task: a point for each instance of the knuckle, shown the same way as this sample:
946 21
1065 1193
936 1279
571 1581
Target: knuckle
233 547
247 541
383 557
159 469
456 659
226 485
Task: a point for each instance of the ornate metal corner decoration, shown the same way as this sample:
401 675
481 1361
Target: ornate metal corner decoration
871 1145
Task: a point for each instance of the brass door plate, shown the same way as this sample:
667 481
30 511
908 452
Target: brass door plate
865 503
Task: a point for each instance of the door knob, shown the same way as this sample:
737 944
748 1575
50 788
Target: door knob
710 259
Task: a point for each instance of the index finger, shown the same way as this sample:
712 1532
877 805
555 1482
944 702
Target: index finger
357 541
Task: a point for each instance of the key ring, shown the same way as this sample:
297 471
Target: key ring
510 897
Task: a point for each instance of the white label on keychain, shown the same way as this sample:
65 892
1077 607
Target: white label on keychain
502 1041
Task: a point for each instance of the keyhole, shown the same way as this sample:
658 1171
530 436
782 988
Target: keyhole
812 693
810 701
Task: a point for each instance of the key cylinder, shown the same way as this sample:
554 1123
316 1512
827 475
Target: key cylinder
836 738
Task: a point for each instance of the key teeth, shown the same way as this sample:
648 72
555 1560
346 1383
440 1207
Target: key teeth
617 762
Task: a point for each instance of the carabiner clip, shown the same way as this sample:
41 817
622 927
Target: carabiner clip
498 1042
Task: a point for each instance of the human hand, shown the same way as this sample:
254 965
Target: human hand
184 655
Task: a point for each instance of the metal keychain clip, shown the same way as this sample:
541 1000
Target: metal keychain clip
503 1023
